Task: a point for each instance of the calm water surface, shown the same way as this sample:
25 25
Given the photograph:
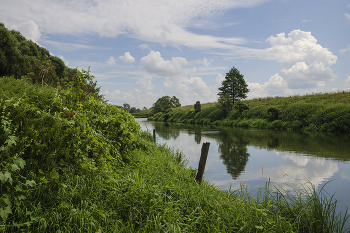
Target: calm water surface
252 157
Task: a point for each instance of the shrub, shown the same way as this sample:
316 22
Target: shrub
273 113
217 114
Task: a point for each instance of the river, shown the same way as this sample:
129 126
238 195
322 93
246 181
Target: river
253 157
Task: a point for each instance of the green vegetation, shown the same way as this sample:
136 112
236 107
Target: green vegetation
327 112
233 88
166 102
70 162
84 166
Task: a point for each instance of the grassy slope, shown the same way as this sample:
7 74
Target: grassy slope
69 166
314 112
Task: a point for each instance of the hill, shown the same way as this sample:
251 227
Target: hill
328 112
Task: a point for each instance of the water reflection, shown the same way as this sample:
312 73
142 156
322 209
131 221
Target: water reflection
252 157
233 152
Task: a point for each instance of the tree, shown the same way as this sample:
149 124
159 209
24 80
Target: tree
234 86
197 107
126 107
166 102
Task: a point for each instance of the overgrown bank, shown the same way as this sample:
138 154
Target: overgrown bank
85 166
328 112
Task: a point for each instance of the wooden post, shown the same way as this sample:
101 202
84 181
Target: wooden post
202 161
154 135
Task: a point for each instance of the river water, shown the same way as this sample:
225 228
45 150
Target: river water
253 157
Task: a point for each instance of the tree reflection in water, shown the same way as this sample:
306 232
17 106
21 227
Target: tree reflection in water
166 131
233 152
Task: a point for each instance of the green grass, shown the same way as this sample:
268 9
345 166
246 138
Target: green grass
72 164
327 112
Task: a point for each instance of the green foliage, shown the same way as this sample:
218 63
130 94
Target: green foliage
166 102
197 107
225 103
72 163
234 86
20 57
273 113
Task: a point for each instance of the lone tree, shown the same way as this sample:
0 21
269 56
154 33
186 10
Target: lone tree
234 87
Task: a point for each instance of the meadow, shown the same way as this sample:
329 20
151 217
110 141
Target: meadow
326 112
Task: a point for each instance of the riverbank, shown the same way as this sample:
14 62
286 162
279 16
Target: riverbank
326 112
73 164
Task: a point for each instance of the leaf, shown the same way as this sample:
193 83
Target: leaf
2 177
21 197
5 176
31 183
14 167
20 162
12 140
18 188
4 212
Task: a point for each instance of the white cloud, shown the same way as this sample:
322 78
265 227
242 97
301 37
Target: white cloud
153 63
145 82
187 89
206 62
144 46
347 82
347 16
345 51
66 46
160 21
64 60
111 61
127 58
276 85
28 29
306 64
218 80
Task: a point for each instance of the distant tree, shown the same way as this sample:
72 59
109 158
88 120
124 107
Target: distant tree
234 86
166 102
133 110
144 108
197 107
126 107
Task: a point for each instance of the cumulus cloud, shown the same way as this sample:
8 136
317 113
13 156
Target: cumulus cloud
127 58
160 21
145 82
153 63
111 61
306 64
188 89
276 85
28 29
206 62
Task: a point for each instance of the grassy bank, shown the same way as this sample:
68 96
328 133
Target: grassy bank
327 112
72 163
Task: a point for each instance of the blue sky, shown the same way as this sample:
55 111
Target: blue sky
141 50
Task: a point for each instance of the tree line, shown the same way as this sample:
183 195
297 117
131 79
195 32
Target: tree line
24 59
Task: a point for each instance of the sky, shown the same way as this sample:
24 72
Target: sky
141 50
